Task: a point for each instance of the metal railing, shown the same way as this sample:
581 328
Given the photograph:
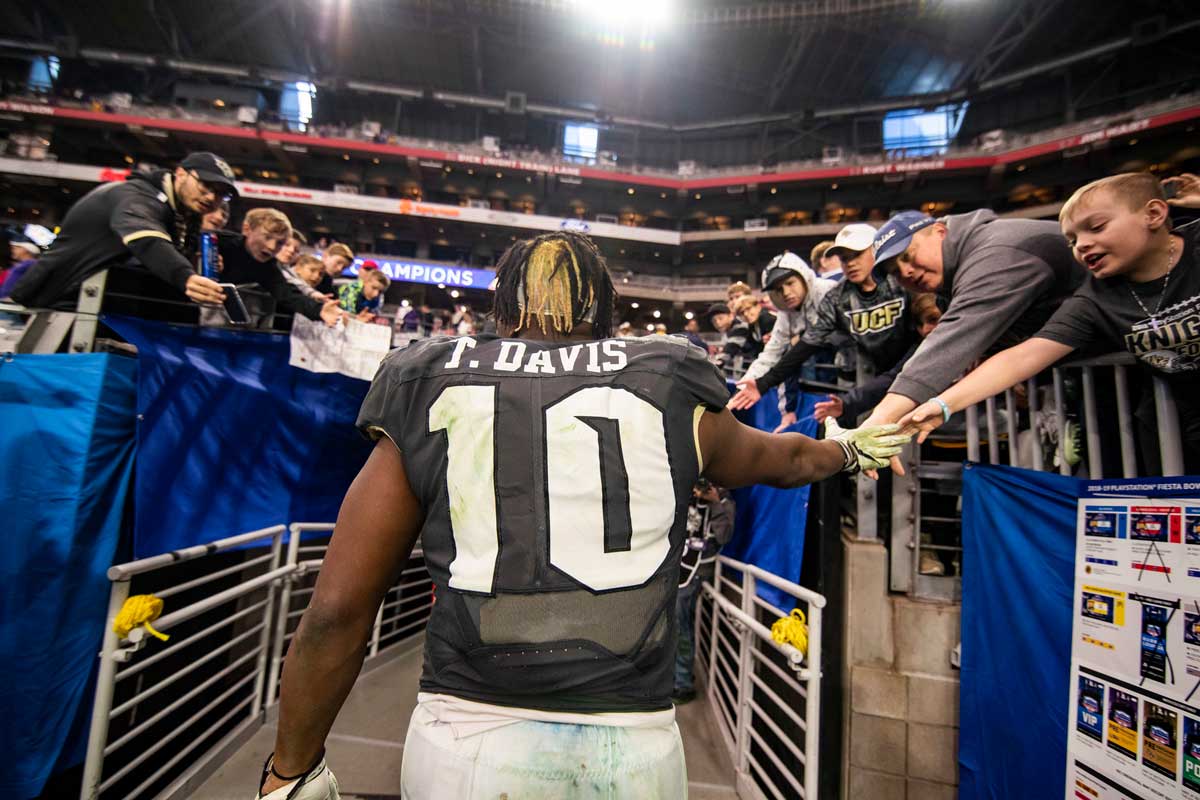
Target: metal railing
402 614
1076 418
204 692
765 697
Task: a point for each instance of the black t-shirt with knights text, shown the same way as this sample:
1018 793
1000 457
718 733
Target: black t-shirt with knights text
555 480
1103 315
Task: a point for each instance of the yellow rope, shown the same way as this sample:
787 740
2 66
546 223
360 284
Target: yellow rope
793 630
139 610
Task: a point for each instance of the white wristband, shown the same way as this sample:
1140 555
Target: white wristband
945 408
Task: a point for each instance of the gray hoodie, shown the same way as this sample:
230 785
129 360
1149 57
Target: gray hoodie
792 323
1003 278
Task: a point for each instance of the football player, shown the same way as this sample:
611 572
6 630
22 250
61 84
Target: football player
547 471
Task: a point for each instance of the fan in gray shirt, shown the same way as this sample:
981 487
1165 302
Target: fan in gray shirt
1002 279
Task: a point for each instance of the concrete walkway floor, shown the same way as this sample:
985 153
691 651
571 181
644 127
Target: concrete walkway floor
366 746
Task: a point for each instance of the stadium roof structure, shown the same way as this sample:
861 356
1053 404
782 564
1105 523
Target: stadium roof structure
707 63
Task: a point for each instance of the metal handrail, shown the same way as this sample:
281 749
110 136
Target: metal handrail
123 572
908 514
250 694
116 652
739 694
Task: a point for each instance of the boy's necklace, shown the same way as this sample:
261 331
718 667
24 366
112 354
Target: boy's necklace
1166 279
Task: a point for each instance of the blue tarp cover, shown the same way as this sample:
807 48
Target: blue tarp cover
1018 533
231 438
769 525
66 456
1018 578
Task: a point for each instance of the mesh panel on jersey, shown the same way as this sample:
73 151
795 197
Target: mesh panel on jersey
614 620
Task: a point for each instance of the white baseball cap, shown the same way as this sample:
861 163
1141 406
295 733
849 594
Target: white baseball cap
853 238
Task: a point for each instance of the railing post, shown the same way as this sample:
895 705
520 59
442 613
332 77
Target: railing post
1169 437
1125 424
93 767
904 529
285 601
376 627
1091 418
264 639
812 703
972 412
91 298
915 553
745 670
989 406
1010 418
866 511
1031 391
712 632
1060 421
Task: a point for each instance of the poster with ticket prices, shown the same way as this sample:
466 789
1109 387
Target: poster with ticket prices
1135 652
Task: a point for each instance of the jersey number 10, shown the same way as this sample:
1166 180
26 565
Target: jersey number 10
611 500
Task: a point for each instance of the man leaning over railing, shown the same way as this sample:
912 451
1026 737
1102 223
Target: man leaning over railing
1002 279
1143 295
152 216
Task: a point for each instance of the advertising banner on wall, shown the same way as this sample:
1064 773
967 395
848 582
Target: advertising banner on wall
1134 716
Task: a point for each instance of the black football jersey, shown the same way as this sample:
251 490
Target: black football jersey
555 480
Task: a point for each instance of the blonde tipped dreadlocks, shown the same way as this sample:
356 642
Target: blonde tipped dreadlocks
557 281
550 273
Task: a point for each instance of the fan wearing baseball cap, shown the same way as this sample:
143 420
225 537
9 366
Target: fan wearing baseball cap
872 311
1143 296
796 292
1000 280
152 216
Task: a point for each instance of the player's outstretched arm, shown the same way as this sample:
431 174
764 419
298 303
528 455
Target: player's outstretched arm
379 521
738 455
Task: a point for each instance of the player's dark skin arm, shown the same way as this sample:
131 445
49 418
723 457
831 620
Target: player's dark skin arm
738 455
379 521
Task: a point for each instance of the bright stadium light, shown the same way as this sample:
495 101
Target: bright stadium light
626 13
657 313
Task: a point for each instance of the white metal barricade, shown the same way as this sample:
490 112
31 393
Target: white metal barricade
765 696
1011 429
217 665
197 697
402 614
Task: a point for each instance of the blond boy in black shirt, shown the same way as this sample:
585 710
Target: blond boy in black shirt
1142 295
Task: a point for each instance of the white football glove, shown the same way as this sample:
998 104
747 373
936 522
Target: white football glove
866 448
318 784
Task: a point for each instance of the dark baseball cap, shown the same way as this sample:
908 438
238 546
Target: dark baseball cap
893 238
782 267
714 309
211 169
